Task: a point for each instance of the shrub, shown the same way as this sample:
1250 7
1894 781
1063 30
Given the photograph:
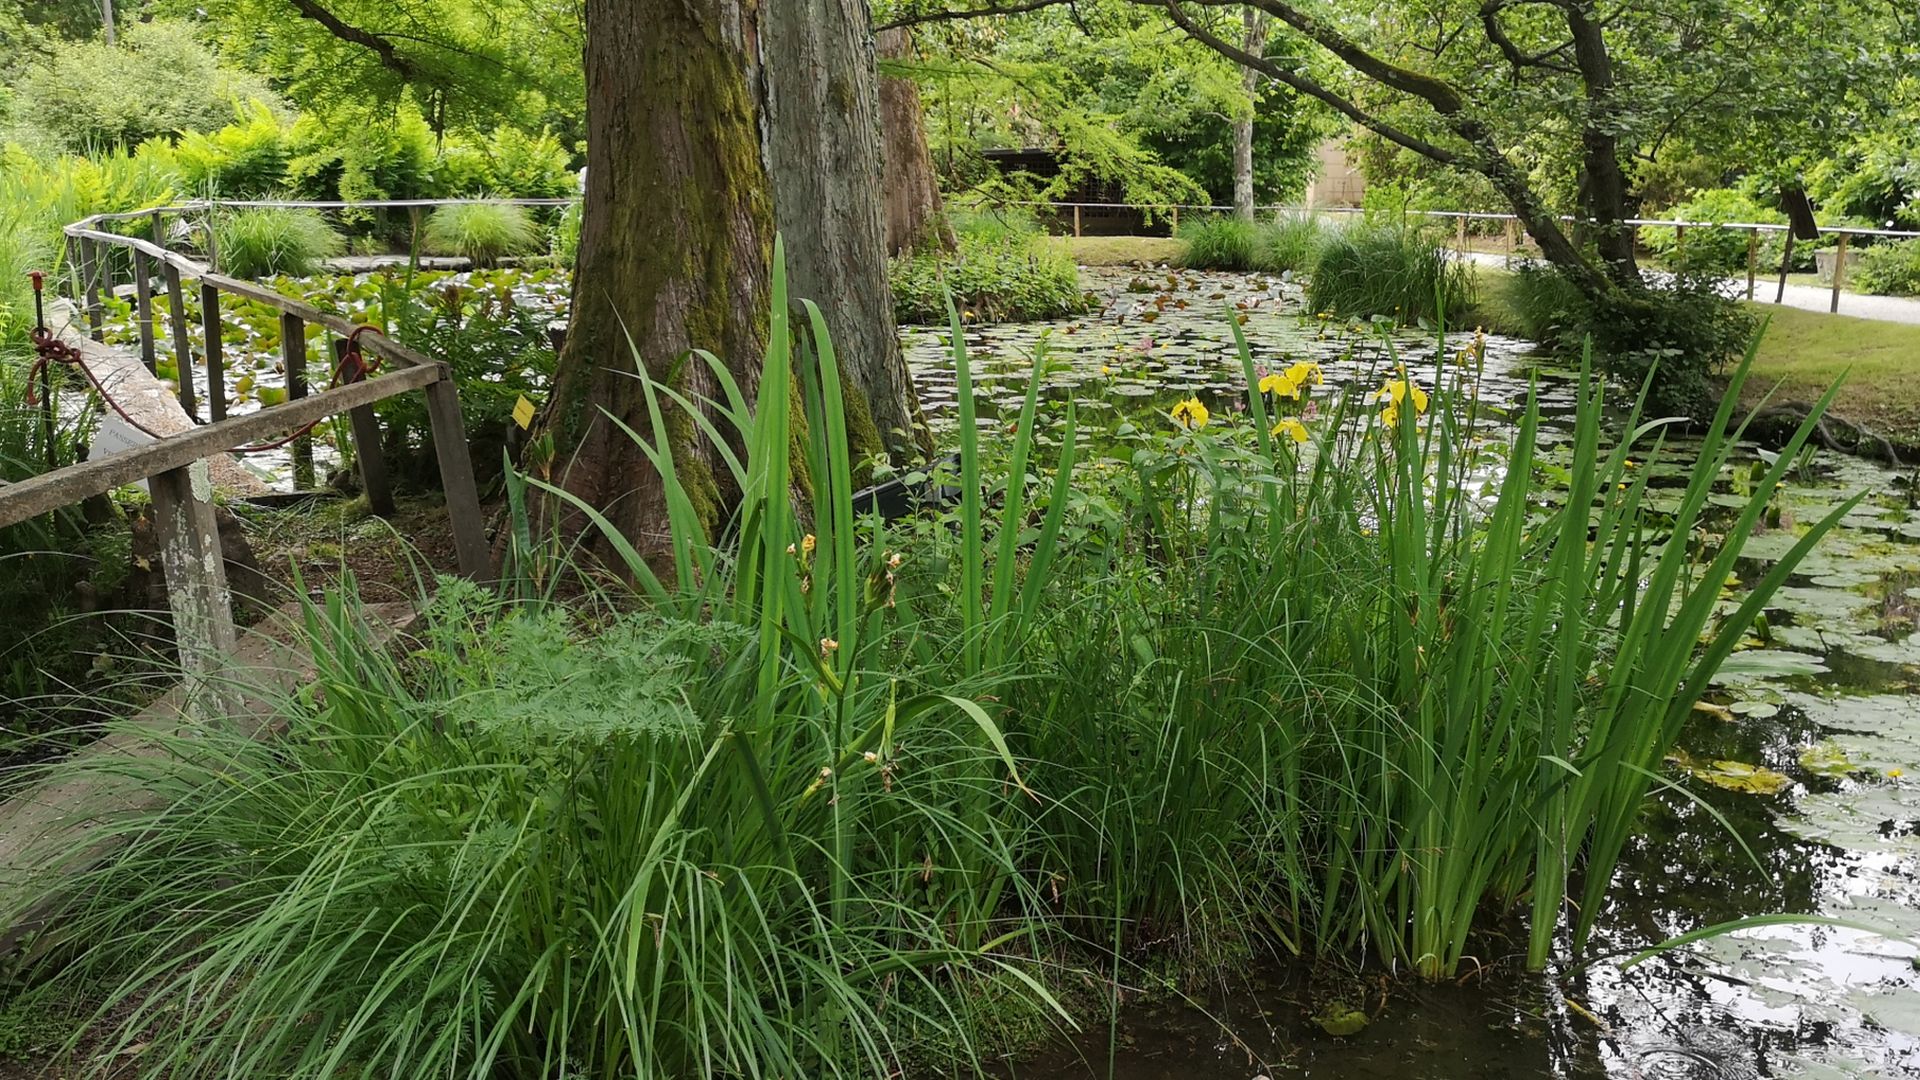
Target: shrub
158 81
1367 269
1007 279
262 242
362 154
1722 250
1683 330
483 232
566 234
1887 269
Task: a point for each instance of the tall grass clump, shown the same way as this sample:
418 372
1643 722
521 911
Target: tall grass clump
1369 268
484 232
1301 679
1223 242
1219 242
264 241
712 836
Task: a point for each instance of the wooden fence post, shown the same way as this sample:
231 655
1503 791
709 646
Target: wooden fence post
456 477
1509 229
1076 219
143 306
1679 244
216 362
293 357
1839 274
182 344
1176 221
366 448
196 582
1786 262
96 276
213 245
1753 258
1461 242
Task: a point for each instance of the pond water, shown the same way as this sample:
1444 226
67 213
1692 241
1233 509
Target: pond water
1812 754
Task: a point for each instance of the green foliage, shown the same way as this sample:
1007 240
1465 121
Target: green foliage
1681 333
506 161
1223 242
245 159
1887 269
483 231
362 155
1723 250
995 273
266 241
566 234
498 351
1218 242
804 789
159 80
1369 268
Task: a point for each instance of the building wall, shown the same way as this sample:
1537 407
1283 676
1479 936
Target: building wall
1336 181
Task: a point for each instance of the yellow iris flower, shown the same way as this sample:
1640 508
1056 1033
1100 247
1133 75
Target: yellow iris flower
1291 428
1282 384
1396 392
1305 373
1191 414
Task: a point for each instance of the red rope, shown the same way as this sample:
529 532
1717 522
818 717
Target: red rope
353 367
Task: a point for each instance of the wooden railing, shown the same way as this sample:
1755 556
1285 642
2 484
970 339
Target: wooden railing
175 466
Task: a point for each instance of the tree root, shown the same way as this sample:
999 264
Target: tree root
1775 424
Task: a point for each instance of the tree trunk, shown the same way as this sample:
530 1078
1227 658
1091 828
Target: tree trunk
822 131
1256 40
709 123
1603 182
675 242
914 219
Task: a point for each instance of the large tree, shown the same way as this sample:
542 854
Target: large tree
712 124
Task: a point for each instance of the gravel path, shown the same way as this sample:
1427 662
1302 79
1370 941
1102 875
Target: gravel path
1898 309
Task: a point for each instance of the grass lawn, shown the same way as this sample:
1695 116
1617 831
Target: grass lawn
1119 250
1804 351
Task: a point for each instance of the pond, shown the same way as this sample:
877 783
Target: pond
1810 750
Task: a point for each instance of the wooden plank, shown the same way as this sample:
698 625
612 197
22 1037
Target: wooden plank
45 829
216 352
367 452
51 491
293 357
196 582
182 345
143 306
456 479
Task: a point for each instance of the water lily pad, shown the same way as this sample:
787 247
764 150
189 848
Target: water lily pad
1341 1019
1732 775
1760 665
1825 758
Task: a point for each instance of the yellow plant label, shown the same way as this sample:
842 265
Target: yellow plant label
523 412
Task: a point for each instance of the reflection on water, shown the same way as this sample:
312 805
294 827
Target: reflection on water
1827 700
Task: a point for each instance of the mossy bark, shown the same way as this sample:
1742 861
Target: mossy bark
710 123
675 245
913 216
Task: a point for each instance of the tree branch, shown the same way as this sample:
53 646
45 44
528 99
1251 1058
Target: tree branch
1490 20
944 15
1310 88
383 49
